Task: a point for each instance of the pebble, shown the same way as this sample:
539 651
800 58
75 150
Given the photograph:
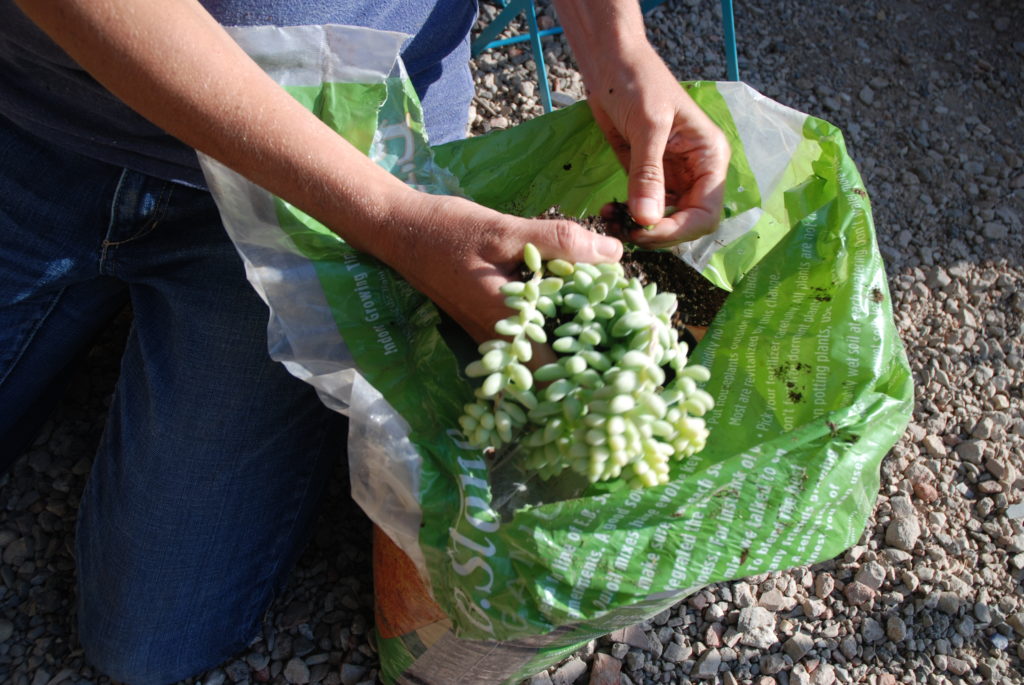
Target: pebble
569 671
871 574
871 630
351 673
758 627
798 646
605 670
676 653
896 629
296 671
858 593
707 665
560 99
903 533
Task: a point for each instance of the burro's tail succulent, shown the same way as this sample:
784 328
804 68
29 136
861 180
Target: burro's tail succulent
620 401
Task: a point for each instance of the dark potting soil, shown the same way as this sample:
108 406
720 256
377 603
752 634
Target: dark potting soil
699 299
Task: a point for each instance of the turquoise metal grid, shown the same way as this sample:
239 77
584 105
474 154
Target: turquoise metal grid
488 38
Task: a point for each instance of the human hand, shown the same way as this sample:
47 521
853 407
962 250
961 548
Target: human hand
459 253
674 155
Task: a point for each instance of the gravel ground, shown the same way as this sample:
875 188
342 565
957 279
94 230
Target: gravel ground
930 97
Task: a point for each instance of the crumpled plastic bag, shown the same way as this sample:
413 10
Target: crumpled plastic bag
810 379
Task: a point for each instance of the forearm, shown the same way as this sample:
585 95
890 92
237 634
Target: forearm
171 62
606 37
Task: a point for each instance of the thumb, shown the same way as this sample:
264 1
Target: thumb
647 178
568 240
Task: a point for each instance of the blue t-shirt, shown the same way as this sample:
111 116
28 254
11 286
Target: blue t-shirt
45 92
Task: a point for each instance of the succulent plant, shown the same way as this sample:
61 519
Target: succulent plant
619 402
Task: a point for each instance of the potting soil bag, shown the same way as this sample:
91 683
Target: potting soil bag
810 380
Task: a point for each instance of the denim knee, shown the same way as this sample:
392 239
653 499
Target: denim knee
143 657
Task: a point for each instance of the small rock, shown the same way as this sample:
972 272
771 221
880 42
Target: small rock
948 603
257 660
352 673
925 491
707 665
296 671
214 677
17 552
934 446
619 650
824 584
985 426
1016 621
957 666
237 671
971 450
743 595
541 678
633 636
903 533
772 664
605 669
758 627
824 674
798 646
994 230
775 601
635 661
999 641
871 630
799 675
896 629
997 467
813 608
866 95
676 653
559 99
6 630
848 647
568 672
858 593
871 574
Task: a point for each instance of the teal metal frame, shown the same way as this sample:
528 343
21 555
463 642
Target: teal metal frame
488 38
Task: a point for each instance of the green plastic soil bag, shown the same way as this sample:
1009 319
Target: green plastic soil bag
810 380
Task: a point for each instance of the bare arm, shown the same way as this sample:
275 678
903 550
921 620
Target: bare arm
172 63
673 153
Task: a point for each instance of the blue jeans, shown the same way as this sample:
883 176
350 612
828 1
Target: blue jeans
213 458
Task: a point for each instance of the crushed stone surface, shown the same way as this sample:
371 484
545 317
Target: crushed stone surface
931 101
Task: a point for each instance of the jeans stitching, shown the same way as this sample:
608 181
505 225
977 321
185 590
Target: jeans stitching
31 335
162 203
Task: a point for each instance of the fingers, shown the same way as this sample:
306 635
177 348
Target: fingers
568 240
647 174
698 214
701 174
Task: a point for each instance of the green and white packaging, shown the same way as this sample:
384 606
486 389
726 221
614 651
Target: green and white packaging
810 380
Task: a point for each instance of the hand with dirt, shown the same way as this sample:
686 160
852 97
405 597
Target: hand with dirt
674 155
459 253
